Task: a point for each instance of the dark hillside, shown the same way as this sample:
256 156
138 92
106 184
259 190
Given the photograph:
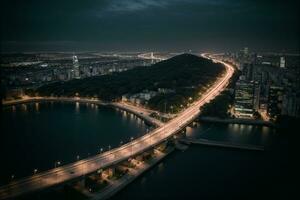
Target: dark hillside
186 74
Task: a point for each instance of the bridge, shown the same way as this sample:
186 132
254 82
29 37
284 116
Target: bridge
78 169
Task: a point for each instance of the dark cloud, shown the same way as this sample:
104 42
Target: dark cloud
149 24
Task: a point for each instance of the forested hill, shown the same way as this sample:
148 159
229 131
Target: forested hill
184 73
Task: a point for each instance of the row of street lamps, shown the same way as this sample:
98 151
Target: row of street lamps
58 163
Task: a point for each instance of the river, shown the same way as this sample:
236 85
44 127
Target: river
37 135
203 172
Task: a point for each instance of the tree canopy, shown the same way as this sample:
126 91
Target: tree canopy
186 74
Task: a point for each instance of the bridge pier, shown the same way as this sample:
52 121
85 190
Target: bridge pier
109 172
182 133
162 146
145 155
193 124
179 135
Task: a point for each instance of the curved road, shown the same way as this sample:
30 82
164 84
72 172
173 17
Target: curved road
70 171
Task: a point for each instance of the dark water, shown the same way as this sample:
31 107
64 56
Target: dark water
218 173
37 135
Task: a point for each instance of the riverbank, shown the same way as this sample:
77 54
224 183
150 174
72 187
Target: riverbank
139 112
238 121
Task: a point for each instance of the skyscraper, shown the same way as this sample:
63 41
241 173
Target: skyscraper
244 99
282 62
275 101
256 99
246 51
76 67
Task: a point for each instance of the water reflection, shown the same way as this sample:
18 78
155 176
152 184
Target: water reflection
105 128
77 107
234 127
237 133
249 128
139 121
265 134
37 106
96 108
241 126
24 107
143 181
13 108
161 167
189 131
131 116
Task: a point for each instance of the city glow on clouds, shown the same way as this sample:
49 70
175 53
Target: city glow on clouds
144 24
138 5
135 5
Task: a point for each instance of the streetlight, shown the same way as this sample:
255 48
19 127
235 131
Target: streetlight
109 147
131 139
56 164
12 177
35 171
101 150
121 143
190 99
78 157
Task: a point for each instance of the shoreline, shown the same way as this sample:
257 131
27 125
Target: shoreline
128 108
121 153
142 115
237 121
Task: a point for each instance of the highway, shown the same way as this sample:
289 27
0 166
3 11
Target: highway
139 111
74 170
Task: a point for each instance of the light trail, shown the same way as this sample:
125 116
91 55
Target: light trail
74 170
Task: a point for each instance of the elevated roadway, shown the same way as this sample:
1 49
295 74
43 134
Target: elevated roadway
77 169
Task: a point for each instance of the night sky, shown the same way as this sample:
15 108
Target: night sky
149 25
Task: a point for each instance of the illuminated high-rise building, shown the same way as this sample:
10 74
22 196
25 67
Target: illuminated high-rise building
246 51
256 98
282 62
275 101
76 67
244 99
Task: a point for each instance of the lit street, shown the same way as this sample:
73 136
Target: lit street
148 99
73 170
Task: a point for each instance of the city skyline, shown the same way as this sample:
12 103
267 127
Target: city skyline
149 25
148 99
